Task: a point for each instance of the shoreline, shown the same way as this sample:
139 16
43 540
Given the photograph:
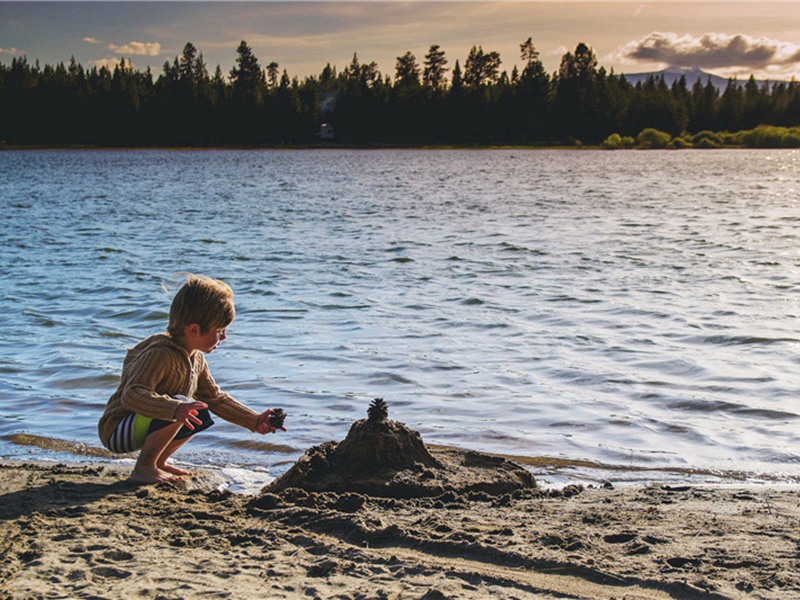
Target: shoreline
76 530
291 147
550 471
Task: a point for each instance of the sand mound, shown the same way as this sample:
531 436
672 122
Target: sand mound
385 458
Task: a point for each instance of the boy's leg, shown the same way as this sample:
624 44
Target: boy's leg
157 442
161 463
177 440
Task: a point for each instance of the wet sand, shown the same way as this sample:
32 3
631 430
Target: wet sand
84 531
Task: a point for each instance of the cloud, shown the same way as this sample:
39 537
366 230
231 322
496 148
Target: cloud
137 48
8 50
91 40
712 51
110 63
557 52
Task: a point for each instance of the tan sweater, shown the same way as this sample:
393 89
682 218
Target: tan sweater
157 369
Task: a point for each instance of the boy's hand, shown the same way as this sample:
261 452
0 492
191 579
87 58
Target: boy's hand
187 412
263 426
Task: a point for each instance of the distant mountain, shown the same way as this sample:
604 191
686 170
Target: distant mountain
692 74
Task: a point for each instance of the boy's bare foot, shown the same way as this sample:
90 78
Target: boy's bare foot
152 475
174 470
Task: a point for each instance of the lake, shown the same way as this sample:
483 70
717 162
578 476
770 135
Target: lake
623 316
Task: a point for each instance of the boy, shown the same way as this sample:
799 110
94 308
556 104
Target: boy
166 389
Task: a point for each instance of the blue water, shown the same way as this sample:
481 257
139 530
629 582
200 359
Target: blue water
622 315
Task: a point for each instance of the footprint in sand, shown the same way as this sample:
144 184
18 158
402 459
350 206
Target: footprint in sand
117 555
110 572
619 538
680 562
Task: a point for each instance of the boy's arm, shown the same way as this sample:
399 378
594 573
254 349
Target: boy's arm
139 395
221 403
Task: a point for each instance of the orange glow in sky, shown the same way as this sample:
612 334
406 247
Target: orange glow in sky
725 38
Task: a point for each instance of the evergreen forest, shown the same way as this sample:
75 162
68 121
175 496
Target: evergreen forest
424 102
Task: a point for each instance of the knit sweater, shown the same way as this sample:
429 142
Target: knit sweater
156 370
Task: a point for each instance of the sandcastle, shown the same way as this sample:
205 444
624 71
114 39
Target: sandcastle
385 458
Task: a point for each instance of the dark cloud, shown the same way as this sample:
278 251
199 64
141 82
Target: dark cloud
712 51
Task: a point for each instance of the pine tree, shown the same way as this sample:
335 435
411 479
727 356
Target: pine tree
481 67
247 78
187 64
407 71
433 75
272 74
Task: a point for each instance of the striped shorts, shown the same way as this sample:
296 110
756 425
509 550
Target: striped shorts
133 430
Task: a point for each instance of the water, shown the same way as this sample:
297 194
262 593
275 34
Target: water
622 315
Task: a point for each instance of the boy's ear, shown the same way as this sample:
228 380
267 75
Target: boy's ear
193 330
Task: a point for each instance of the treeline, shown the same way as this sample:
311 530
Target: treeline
425 102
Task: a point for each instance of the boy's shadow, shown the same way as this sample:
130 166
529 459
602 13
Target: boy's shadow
53 489
63 496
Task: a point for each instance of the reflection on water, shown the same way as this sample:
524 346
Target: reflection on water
619 314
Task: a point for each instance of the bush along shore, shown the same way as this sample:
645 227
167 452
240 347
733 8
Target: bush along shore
763 136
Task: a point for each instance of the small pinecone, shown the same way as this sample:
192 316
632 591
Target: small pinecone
277 418
378 410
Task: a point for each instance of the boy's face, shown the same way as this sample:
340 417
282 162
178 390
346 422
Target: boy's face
206 342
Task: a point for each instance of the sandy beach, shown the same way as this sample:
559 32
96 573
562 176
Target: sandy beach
72 531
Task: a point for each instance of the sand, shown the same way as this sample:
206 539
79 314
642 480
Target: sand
72 531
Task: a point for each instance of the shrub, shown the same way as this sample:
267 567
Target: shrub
679 143
706 143
768 136
710 136
653 138
791 139
612 142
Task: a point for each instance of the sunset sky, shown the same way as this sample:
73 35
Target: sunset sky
725 38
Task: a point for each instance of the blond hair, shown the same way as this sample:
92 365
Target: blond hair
202 300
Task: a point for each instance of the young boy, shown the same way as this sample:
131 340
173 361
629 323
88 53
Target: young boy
166 390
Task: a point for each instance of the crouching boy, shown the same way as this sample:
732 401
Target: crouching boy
166 390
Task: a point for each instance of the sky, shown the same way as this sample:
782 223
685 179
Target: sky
725 38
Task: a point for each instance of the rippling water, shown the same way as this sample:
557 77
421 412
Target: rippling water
593 313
